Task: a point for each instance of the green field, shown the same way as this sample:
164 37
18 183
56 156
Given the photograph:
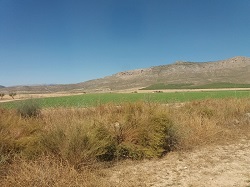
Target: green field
162 86
86 100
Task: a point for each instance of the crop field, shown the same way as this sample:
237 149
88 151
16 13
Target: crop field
87 100
215 85
80 140
84 146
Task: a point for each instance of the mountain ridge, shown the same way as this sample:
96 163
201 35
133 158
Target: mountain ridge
232 70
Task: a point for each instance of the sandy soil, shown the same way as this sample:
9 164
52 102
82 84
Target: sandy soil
213 166
30 96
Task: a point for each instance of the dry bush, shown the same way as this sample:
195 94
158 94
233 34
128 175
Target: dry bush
211 121
109 132
28 109
129 130
16 134
17 137
48 171
139 130
78 143
56 147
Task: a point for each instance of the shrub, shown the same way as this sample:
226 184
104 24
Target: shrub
108 132
77 143
48 171
2 95
29 108
17 135
137 130
80 136
12 94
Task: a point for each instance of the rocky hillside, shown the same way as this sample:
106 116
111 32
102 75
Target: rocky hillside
233 70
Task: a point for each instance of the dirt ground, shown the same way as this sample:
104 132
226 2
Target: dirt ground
7 98
213 166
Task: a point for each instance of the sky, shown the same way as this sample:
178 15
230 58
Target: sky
72 41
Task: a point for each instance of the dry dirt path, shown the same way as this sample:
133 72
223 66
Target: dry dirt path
32 96
212 166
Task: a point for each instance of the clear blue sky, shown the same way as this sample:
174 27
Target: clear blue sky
71 41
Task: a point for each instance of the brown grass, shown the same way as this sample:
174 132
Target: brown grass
212 121
64 147
48 171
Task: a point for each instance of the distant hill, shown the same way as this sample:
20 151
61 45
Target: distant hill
1 86
235 70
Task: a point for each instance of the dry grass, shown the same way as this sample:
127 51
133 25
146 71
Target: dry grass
212 121
62 147
48 171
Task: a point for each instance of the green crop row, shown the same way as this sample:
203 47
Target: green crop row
162 86
87 100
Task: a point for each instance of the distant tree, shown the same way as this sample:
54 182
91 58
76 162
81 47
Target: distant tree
2 95
12 94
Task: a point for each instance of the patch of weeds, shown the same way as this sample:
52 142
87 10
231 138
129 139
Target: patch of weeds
29 108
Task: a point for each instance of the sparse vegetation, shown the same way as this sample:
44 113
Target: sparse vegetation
66 145
2 95
12 94
28 108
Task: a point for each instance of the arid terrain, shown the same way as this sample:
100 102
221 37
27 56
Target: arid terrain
196 143
200 143
233 70
124 93
7 98
214 166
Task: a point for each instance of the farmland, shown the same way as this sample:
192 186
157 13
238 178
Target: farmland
74 146
215 85
86 100
88 139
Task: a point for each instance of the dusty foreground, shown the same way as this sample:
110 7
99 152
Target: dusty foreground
213 166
